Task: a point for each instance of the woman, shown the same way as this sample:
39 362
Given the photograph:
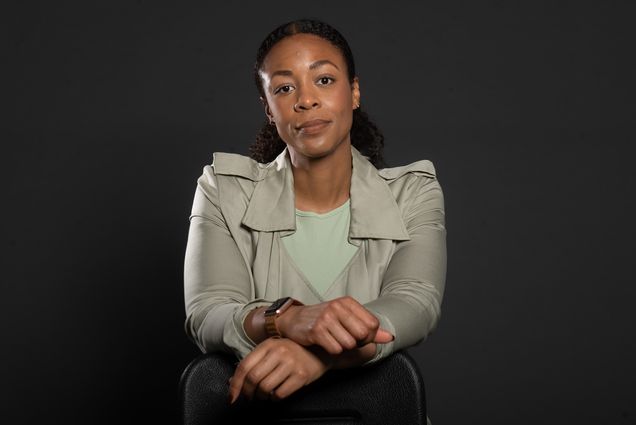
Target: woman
306 256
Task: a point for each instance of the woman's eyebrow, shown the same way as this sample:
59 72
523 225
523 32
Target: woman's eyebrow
311 67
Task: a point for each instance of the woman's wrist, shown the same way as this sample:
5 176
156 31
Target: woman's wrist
254 325
346 359
355 357
282 322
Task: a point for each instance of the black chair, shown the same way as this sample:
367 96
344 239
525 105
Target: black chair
388 392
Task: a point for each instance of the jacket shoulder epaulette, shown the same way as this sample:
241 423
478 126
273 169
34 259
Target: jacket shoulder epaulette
235 164
423 166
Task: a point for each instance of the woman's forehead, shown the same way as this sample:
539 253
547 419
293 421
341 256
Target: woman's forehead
301 50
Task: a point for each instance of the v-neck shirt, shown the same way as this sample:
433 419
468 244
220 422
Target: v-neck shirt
319 247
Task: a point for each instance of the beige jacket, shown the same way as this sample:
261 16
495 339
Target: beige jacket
235 260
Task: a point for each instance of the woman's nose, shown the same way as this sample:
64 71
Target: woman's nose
307 99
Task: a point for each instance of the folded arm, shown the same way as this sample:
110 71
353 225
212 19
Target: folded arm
218 287
409 305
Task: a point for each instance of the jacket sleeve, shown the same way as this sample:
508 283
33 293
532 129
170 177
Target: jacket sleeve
218 289
413 284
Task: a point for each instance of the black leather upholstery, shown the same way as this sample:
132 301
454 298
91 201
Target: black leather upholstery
388 392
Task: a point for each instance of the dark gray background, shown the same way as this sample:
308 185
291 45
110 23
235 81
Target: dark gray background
527 112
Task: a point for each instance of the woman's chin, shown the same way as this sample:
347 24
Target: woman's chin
318 147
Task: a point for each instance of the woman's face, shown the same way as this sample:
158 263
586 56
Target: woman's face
304 80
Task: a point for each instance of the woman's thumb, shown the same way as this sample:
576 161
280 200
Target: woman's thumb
383 337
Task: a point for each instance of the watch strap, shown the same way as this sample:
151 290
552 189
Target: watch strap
274 311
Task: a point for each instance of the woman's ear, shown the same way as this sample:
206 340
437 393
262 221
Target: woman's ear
355 92
268 112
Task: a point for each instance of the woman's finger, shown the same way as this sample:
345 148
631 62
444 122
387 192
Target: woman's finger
327 341
368 319
383 336
243 368
343 338
268 384
354 325
287 387
259 372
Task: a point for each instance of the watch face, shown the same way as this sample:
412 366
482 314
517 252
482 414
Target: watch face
277 304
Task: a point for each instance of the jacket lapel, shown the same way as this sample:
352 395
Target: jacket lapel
374 211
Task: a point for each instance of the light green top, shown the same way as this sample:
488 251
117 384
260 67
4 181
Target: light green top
319 247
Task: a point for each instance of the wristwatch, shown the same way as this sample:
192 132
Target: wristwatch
275 310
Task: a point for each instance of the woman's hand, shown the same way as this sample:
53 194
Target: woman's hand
275 369
336 326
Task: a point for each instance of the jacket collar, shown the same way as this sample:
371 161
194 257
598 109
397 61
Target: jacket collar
374 211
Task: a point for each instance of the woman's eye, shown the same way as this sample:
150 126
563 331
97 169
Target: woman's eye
327 79
284 89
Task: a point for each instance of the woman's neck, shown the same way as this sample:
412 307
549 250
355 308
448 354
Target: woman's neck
322 184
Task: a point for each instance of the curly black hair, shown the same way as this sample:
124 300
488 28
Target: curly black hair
365 135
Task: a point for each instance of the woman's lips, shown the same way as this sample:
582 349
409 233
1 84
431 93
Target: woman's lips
313 128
